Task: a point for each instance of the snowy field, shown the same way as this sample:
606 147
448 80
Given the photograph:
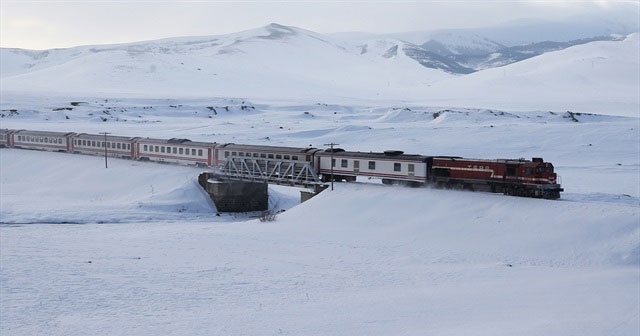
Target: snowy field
139 249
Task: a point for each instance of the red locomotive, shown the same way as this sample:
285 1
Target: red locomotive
521 177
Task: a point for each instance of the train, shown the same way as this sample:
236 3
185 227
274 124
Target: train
517 177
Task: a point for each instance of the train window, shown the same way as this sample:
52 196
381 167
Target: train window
270 156
295 158
156 148
278 156
397 166
180 151
226 154
145 148
129 146
46 140
60 141
286 157
84 142
175 150
263 155
256 155
372 165
161 149
528 170
193 152
333 162
234 154
118 145
241 154
93 143
199 152
411 168
344 163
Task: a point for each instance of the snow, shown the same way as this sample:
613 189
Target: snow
139 248
296 65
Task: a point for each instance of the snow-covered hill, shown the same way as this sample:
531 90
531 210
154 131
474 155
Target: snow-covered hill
273 61
598 76
299 65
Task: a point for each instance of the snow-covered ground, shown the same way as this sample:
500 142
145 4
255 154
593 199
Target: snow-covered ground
138 248
151 256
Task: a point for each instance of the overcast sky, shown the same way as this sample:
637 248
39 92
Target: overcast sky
44 24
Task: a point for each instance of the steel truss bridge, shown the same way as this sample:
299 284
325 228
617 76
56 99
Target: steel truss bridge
274 171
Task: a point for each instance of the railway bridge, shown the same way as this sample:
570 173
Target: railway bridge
273 171
240 184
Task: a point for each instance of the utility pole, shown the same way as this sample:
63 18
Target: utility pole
332 144
104 144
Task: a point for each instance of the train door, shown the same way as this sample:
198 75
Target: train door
69 139
512 172
356 166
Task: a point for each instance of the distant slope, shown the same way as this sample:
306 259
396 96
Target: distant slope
288 63
273 61
595 77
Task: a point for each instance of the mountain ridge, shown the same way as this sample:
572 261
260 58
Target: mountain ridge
283 62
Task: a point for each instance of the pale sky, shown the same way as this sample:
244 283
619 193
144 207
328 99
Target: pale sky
45 24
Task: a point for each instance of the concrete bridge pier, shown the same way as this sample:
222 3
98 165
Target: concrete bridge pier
236 196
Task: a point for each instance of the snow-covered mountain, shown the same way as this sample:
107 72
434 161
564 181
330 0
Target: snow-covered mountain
284 62
271 61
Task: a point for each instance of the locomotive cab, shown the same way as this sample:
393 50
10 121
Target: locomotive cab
539 172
